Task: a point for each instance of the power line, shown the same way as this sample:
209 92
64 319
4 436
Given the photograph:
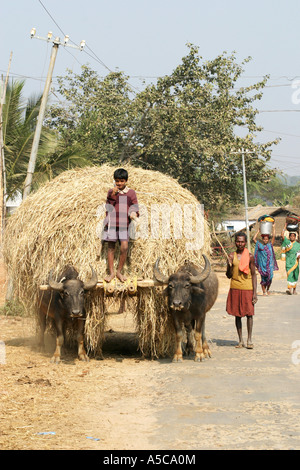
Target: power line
51 17
41 79
94 56
286 156
280 111
69 52
102 63
281 133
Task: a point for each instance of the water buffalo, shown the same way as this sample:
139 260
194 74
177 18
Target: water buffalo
64 303
191 294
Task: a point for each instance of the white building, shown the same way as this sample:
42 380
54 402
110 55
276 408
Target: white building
13 204
235 224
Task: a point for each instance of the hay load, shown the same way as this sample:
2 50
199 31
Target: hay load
62 224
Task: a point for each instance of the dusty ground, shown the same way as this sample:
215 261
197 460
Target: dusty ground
238 399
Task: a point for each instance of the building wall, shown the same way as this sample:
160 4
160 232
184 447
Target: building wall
235 225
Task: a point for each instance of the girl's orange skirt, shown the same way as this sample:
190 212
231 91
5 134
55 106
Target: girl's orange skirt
239 303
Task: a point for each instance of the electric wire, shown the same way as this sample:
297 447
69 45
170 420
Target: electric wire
51 17
94 56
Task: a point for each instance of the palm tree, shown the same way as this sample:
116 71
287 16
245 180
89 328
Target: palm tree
19 121
58 159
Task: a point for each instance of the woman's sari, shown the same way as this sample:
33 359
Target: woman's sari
265 262
290 250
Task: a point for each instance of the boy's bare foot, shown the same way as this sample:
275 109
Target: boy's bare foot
109 278
121 277
240 345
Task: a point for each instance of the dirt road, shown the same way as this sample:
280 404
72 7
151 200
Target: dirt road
238 399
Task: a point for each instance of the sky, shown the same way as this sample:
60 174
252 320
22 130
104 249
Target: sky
147 39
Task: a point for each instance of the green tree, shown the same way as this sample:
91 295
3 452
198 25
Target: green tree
272 192
98 115
190 128
296 199
184 125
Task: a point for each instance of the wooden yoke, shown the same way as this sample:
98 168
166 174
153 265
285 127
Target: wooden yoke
130 285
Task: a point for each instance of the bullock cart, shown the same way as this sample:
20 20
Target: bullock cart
143 299
60 224
190 295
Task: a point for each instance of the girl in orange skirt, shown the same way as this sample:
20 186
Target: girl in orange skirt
242 295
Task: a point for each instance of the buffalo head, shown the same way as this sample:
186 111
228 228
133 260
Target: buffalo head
183 284
71 290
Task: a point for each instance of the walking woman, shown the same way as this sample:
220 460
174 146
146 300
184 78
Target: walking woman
242 293
290 249
265 260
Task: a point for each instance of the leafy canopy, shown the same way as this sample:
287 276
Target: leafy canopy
185 125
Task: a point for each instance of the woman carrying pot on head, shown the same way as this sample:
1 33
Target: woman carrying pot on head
264 258
290 250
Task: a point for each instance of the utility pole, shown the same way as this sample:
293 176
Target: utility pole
243 152
246 200
38 129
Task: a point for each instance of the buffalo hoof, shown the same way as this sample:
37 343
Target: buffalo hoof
207 353
55 360
199 357
84 358
177 359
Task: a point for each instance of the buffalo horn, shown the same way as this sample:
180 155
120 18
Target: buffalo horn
54 284
88 285
204 273
158 275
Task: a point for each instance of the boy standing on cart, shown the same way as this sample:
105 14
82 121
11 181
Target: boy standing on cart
122 207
